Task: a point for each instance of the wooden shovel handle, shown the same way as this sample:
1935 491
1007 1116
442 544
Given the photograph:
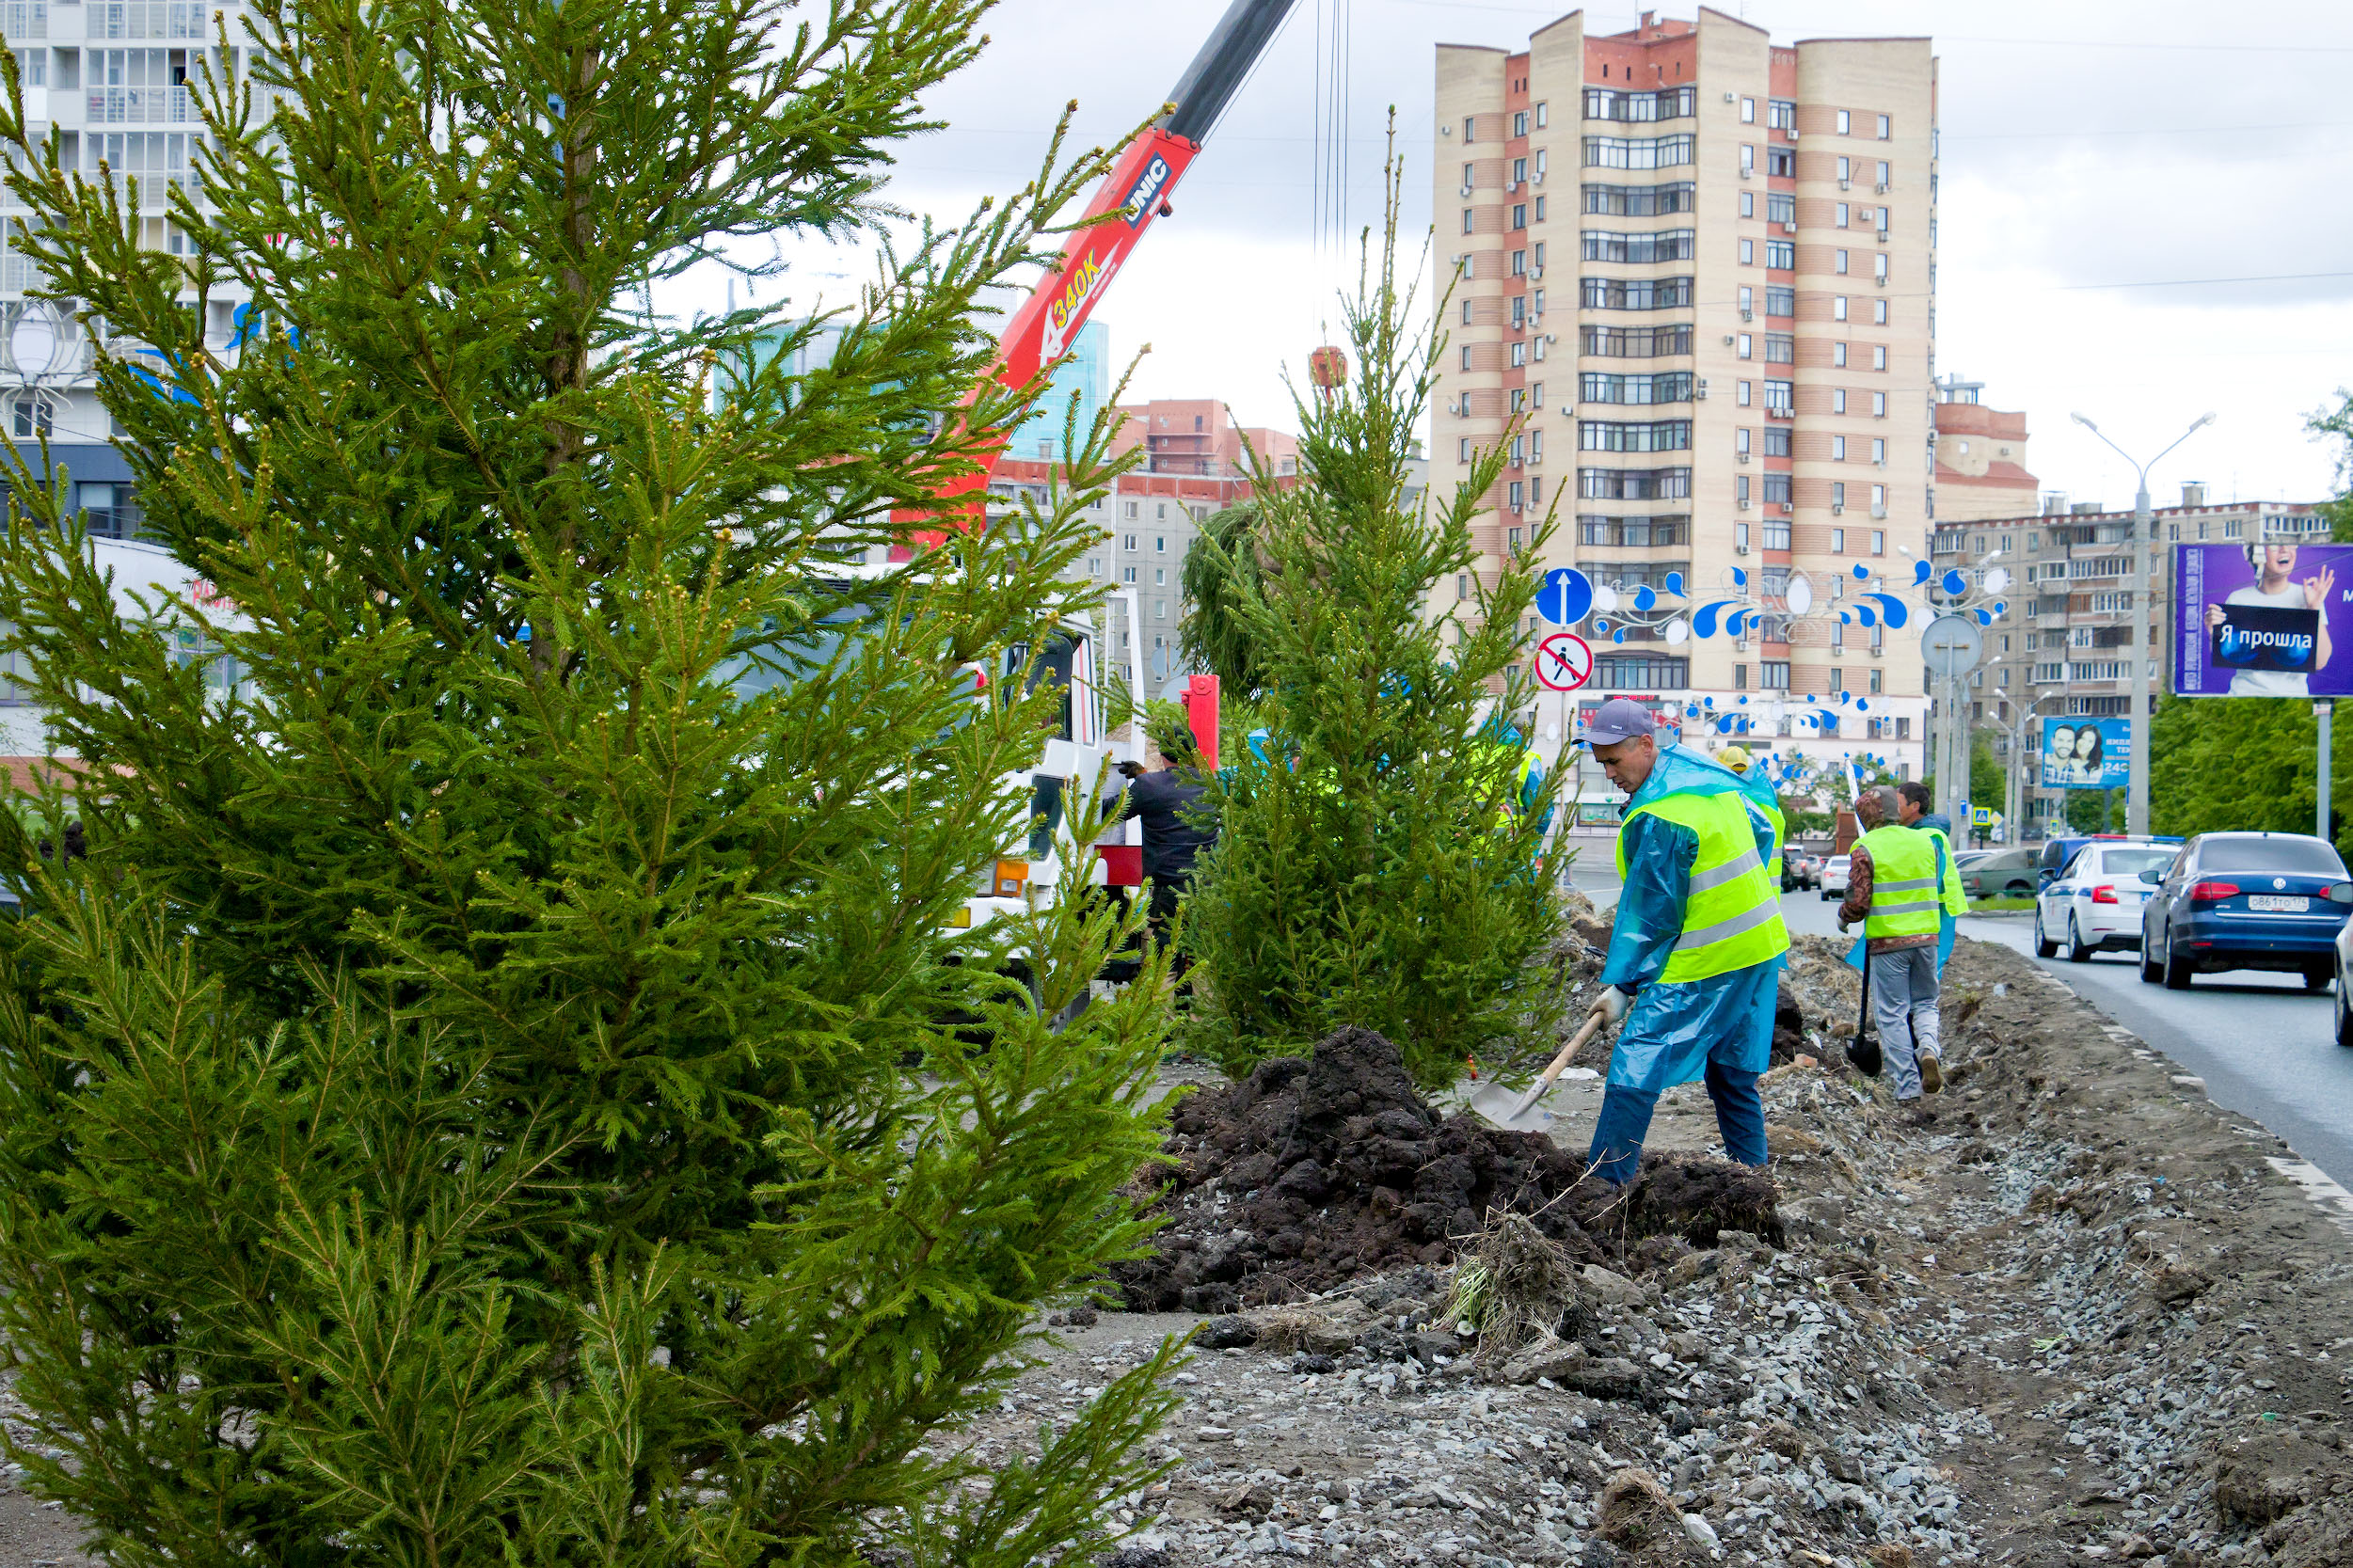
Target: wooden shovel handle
1569 1052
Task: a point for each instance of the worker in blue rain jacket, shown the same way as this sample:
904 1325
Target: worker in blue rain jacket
1696 950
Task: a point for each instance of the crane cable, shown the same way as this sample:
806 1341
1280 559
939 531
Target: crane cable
1328 212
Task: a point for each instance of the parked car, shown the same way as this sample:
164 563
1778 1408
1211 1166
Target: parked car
1833 881
2003 874
1800 869
2274 902
2343 1005
1963 859
2095 900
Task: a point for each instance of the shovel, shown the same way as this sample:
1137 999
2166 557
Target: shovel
1863 1051
1515 1113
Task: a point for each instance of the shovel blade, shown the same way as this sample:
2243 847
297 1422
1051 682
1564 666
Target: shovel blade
1513 1110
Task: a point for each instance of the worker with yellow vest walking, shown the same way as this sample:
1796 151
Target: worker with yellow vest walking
1696 951
1896 887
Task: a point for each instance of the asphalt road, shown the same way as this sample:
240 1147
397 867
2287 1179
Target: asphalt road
2261 1043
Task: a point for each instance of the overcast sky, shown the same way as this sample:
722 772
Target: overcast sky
2109 169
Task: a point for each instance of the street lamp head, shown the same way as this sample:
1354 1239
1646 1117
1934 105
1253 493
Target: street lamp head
2206 420
2086 423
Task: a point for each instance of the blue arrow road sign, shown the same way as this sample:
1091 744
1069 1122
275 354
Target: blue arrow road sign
1565 596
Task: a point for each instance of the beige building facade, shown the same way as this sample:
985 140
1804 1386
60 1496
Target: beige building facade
1694 296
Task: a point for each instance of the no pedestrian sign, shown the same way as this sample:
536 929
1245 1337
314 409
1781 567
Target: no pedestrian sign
1563 661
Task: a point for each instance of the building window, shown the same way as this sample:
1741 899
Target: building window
1780 349
1748 111
1780 207
1885 131
1638 153
1466 356
1541 117
1879 406
1469 123
1838 547
1837 307
1781 113
1748 253
1520 123
1160 610
1748 204
1879 455
1780 300
1127 574
1739 531
1838 354
1839 263
1837 400
1160 541
1838 449
31 416
1781 254
1462 449
1879 357
1781 162
1469 224
1744 339
1879 500
1884 181
1879 266
1777 494
1879 544
1739 677
1519 355
1739 485
1519 215
1462 586
1844 122
1878 312
1838 218
1777 675
1519 264
1838 492
1741 393
1639 672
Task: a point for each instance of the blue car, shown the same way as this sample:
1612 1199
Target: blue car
2273 902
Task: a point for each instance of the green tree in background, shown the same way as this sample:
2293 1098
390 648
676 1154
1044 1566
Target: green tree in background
487 1098
1370 871
2248 762
1220 572
1987 786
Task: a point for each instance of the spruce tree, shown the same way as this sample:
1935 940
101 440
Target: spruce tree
1370 869
492 1089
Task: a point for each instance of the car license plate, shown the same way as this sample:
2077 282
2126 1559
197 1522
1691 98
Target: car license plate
2271 904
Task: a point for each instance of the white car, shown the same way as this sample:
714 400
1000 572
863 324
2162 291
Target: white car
1835 870
2095 902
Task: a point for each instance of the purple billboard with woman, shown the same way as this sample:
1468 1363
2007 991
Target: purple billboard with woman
2262 620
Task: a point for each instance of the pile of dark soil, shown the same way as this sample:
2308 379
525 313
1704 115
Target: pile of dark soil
1317 1170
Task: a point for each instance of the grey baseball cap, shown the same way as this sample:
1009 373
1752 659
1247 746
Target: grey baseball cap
1619 719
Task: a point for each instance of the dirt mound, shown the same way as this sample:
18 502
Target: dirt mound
1320 1169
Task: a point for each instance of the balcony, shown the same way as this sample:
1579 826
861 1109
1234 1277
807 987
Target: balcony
166 105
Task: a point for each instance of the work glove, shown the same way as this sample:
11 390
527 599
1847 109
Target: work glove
1611 1004
1842 927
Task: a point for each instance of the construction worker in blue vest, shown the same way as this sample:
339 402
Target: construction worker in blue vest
1696 948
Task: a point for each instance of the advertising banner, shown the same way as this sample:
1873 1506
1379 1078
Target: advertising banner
2268 620
2086 753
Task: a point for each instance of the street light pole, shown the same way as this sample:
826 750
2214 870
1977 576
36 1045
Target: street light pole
2143 643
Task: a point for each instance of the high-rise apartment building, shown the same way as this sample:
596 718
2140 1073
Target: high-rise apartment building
1694 293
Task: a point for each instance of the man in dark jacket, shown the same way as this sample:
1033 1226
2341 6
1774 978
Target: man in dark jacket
1176 828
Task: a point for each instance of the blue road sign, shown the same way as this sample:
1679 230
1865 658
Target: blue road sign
1565 596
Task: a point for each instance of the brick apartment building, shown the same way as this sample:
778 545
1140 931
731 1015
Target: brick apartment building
1716 310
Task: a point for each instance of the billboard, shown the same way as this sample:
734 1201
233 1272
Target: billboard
2267 620
2086 753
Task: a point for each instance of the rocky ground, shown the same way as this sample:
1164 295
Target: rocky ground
2068 1309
